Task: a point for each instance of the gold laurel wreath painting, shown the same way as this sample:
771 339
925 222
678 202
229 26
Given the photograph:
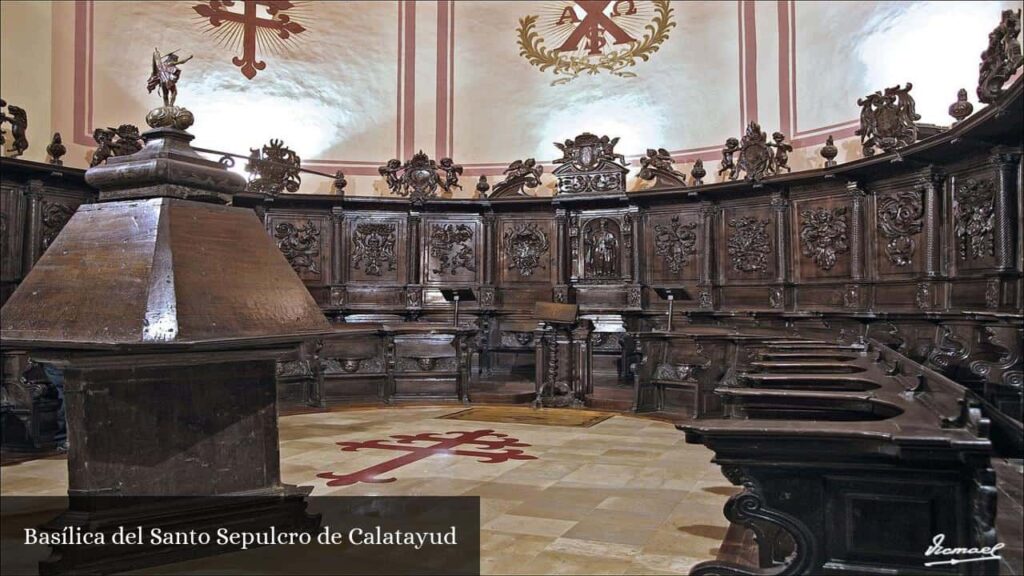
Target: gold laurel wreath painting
653 18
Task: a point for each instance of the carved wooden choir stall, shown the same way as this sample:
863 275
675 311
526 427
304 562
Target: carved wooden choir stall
851 334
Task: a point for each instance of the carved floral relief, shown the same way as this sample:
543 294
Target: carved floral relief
451 246
749 244
675 243
373 248
300 245
823 235
974 218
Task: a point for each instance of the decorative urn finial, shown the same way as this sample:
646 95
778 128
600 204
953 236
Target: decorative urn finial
698 172
56 150
961 108
829 152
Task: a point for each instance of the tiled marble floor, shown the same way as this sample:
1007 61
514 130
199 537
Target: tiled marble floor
626 496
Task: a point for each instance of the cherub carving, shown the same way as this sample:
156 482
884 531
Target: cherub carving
608 149
121 141
566 150
452 171
782 150
18 120
103 138
728 164
390 173
3 118
519 174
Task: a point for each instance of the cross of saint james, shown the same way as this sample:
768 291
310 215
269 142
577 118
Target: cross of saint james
218 13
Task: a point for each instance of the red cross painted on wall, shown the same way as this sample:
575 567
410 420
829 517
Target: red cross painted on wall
499 448
249 26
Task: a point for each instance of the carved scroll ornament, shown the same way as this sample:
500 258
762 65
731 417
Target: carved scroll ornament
373 247
300 245
823 235
450 245
675 243
749 244
1001 58
525 245
273 169
750 508
899 219
974 217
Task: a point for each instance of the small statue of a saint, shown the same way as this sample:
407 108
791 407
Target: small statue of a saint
165 75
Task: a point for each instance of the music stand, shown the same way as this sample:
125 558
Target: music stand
455 295
671 294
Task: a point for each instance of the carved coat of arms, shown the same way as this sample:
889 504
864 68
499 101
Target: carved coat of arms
590 37
589 163
525 244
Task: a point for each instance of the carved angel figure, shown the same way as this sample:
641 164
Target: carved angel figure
657 164
728 163
103 138
566 150
608 149
519 174
782 150
390 173
3 118
165 75
452 171
18 120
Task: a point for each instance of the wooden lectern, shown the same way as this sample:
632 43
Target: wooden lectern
563 356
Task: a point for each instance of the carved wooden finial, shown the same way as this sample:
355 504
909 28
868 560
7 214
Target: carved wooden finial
56 149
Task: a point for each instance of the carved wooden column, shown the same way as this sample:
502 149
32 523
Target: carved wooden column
562 262
414 248
780 206
856 228
339 272
414 288
1005 161
931 182
708 213
490 253
582 354
32 250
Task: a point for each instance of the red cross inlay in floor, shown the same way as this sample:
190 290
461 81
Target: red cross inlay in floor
499 448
